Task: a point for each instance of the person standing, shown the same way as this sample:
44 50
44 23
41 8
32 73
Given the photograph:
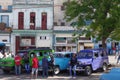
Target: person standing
17 60
73 63
26 61
51 63
45 66
35 64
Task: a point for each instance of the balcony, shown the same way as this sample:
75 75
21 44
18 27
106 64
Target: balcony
63 28
32 2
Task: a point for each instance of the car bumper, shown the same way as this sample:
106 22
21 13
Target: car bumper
41 69
6 68
78 69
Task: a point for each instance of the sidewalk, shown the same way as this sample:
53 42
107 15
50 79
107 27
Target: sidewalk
112 60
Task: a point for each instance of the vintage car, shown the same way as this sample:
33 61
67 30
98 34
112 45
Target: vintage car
92 59
61 61
7 64
114 74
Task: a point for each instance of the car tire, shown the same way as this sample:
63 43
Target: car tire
104 67
6 71
56 70
88 70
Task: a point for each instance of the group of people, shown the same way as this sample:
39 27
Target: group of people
35 65
45 65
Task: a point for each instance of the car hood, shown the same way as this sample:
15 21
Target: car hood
87 61
7 59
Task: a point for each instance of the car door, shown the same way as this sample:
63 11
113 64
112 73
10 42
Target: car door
96 61
66 60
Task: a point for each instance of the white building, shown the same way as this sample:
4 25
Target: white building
33 24
5 26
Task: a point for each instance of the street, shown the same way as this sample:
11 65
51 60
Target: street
61 76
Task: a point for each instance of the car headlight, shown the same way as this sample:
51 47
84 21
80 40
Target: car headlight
79 62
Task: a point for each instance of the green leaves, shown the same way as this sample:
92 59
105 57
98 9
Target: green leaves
105 16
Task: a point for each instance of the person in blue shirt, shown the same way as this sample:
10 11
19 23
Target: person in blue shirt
45 66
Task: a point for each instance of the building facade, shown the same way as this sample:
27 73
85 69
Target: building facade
32 24
5 26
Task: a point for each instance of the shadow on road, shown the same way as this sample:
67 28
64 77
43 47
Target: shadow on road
64 75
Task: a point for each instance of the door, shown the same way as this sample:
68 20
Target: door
20 20
44 21
96 61
32 20
66 60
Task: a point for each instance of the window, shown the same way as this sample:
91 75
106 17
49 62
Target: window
20 20
67 55
62 23
32 54
55 24
32 20
60 39
5 19
43 37
40 53
44 21
96 55
70 40
62 7
4 40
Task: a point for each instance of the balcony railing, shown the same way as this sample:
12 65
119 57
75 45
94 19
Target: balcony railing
32 1
63 28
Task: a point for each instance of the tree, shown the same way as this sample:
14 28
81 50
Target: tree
104 14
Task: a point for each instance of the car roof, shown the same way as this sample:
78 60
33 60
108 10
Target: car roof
92 50
62 52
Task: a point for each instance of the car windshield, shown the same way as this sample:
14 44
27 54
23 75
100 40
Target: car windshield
22 53
58 55
85 54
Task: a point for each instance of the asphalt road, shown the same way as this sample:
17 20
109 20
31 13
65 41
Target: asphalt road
62 76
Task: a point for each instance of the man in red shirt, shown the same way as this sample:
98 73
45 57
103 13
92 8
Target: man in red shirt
17 60
35 64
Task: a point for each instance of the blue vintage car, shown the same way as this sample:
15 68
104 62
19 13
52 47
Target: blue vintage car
61 61
92 59
114 74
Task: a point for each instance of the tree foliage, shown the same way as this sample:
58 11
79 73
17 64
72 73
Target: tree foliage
105 16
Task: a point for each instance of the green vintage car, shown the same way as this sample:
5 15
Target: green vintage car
7 64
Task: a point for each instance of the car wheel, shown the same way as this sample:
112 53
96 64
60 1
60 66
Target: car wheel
104 67
6 71
56 70
88 70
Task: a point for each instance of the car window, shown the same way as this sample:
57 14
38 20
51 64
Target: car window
58 55
85 54
103 53
40 54
31 54
46 53
67 55
96 54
